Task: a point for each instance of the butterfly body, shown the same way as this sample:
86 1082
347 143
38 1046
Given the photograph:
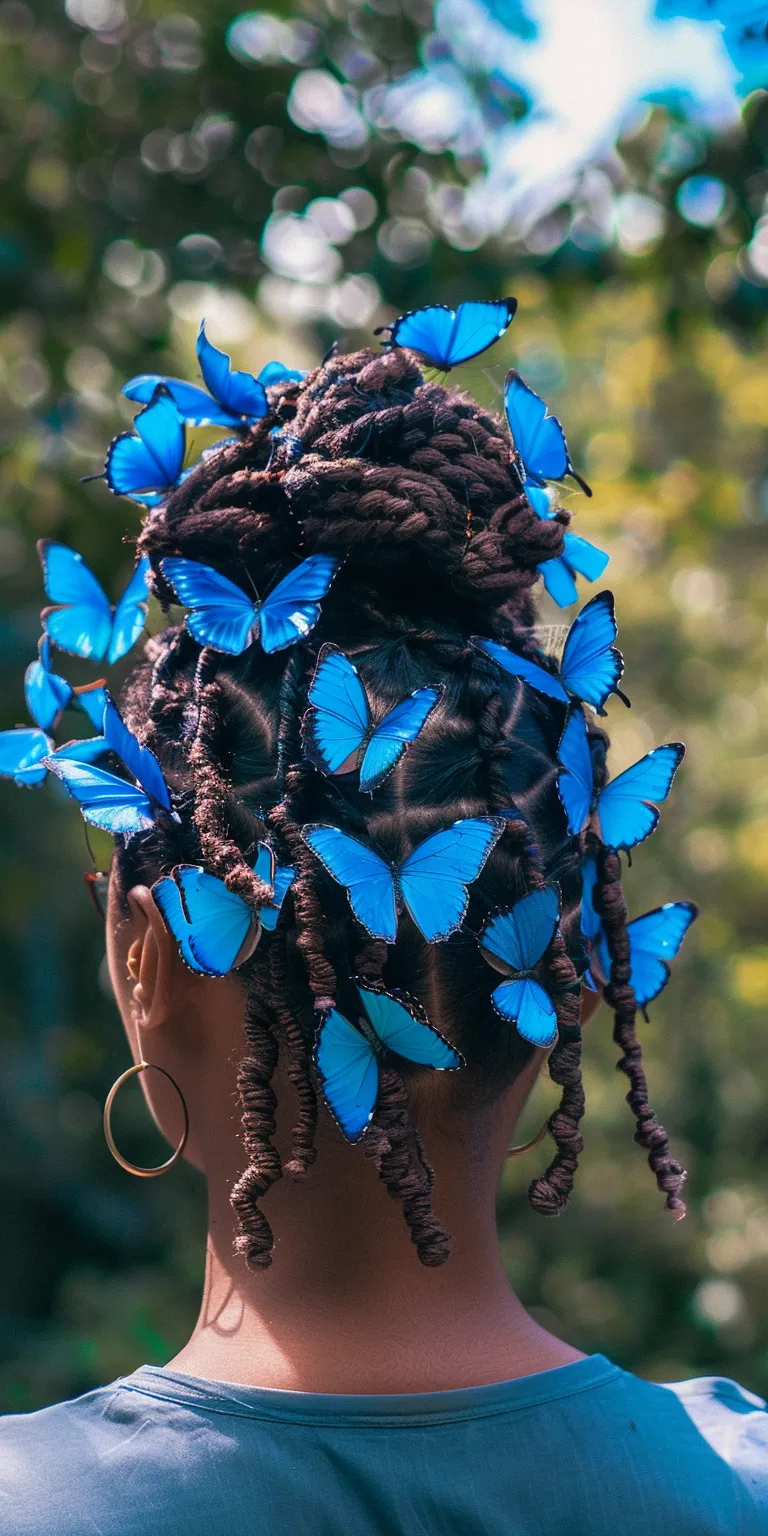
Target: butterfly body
591 664
626 809
347 1057
446 337
339 734
225 617
514 942
431 883
82 620
539 439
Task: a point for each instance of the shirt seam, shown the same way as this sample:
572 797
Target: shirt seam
422 1420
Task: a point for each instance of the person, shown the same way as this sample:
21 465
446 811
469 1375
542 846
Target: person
361 1364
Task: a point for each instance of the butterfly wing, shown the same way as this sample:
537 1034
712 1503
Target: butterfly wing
84 749
446 336
22 754
46 694
592 666
349 1074
627 807
393 734
529 671
436 876
519 937
558 582
584 557
92 698
369 882
402 1032
591 925
221 614
575 782
539 498
526 1004
81 621
150 458
220 922
137 759
239 393
654 940
105 801
130 613
168 900
538 437
278 373
292 609
196 407
285 875
339 718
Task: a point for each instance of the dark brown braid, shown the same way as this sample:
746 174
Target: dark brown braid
612 908
393 474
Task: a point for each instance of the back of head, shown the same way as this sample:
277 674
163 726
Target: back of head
413 489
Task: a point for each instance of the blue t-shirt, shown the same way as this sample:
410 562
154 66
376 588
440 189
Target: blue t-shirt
584 1450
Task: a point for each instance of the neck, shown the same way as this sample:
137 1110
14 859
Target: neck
346 1306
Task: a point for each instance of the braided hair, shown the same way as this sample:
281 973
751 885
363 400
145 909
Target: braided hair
412 486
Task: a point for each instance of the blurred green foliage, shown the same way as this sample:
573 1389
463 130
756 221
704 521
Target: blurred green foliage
140 159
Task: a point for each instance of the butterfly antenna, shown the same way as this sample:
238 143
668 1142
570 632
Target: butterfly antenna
85 479
587 489
251 581
91 853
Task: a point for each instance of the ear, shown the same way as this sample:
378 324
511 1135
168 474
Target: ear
153 962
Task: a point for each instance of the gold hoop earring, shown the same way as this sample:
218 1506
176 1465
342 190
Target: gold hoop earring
528 1146
142 1173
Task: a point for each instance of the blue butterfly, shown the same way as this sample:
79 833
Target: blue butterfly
444 336
538 437
280 877
513 943
147 462
216 930
110 802
347 1061
578 557
83 620
47 694
626 808
234 398
654 939
591 664
432 882
226 618
338 733
277 373
24 754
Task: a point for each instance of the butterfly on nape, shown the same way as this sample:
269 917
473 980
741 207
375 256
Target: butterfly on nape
539 440
445 337
215 930
82 620
148 462
514 943
338 733
591 665
114 804
347 1059
626 809
230 398
225 617
432 882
